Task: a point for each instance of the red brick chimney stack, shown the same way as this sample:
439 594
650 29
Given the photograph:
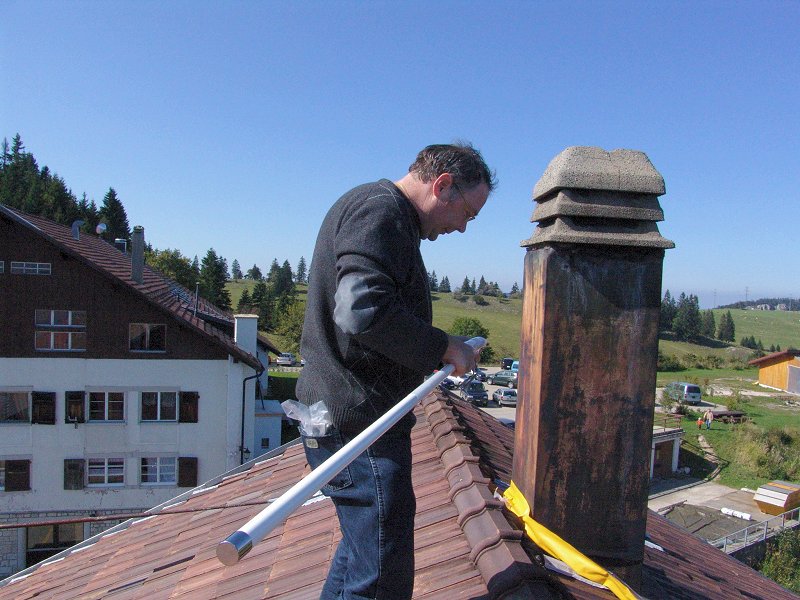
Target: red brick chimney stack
592 296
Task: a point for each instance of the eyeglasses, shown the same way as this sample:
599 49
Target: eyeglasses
468 214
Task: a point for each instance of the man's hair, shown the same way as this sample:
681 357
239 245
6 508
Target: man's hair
461 160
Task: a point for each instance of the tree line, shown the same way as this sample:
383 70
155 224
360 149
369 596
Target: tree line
684 318
469 287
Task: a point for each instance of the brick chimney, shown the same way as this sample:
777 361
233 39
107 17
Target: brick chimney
592 297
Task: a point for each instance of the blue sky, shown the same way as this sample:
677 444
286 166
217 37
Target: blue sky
234 125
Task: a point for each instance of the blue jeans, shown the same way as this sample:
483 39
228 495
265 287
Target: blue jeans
375 503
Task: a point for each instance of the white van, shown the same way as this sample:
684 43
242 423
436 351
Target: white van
683 392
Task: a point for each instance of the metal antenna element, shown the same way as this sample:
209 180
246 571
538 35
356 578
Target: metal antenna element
238 544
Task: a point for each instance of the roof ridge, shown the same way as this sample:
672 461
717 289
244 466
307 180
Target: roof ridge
496 546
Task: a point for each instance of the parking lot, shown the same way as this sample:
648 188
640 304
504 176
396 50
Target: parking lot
508 412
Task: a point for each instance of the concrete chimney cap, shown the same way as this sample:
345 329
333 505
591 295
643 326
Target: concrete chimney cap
592 168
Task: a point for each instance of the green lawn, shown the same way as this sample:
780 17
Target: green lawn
503 318
772 327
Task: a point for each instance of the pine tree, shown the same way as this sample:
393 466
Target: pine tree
283 282
260 292
727 329
686 324
465 286
473 289
274 270
245 302
515 290
254 273
668 311
433 282
301 271
113 214
708 325
236 270
482 286
444 286
213 276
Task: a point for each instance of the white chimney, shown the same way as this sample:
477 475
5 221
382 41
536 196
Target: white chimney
245 333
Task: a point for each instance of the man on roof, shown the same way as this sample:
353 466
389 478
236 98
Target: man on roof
368 341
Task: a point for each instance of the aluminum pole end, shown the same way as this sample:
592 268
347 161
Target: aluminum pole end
234 547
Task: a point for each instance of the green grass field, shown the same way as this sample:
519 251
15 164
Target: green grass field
503 318
781 328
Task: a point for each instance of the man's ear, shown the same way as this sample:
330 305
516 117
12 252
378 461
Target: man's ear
441 184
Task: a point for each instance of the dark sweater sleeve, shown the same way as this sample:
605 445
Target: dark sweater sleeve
377 258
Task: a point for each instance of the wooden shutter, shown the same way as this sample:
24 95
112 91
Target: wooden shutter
44 408
18 475
74 407
74 473
188 407
187 471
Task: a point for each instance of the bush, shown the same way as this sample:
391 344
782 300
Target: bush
772 454
668 363
782 560
480 300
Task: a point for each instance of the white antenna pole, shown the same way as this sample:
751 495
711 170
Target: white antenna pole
240 542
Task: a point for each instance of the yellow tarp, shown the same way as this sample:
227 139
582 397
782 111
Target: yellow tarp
553 545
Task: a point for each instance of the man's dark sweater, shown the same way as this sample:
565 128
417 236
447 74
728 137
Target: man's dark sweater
367 338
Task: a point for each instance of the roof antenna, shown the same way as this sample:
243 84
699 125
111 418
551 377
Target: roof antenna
76 228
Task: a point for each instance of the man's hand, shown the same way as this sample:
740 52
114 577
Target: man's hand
461 355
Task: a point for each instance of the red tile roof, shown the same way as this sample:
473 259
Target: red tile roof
466 545
174 299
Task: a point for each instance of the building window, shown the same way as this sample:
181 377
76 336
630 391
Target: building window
15 475
159 470
44 541
2 267
15 407
159 406
61 330
265 443
30 268
106 406
147 337
106 472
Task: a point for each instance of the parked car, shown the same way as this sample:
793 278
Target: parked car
683 392
286 359
506 378
480 374
506 422
449 383
505 364
505 397
476 393
514 366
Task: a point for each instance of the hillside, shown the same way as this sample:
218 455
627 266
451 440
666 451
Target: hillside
503 316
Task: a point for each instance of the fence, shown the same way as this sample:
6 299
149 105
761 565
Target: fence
758 532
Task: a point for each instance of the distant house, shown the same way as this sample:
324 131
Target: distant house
763 307
466 544
118 387
779 370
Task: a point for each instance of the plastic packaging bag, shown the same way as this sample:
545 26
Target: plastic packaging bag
315 420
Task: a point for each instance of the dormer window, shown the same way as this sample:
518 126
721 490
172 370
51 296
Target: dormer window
147 337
